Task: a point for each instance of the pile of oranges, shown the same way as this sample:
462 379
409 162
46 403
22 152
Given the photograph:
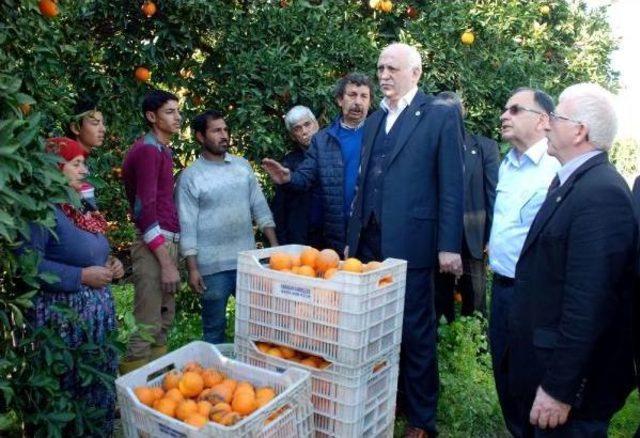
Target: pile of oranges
292 355
197 395
321 264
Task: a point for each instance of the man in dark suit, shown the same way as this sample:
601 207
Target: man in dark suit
481 162
408 205
569 357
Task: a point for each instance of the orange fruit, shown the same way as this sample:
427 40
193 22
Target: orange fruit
211 377
142 74
25 109
264 396
219 410
263 346
174 394
280 261
244 403
48 8
309 256
274 351
545 9
287 353
186 408
375 4
457 297
244 387
371 266
191 384
330 273
192 366
171 380
310 362
157 392
197 420
166 406
295 260
145 395
327 259
230 419
149 8
204 408
294 269
386 6
306 271
352 265
230 383
467 38
386 280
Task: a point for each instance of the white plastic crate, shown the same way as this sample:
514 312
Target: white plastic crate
292 386
349 319
348 401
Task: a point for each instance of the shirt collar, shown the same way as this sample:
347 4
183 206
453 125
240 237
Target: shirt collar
572 165
343 125
227 158
404 101
534 153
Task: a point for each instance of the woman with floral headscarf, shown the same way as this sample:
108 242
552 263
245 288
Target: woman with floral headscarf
76 252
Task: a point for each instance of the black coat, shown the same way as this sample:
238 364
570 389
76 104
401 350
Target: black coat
422 193
569 327
481 163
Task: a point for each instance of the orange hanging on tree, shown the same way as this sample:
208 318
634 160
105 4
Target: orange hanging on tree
149 8
48 8
142 74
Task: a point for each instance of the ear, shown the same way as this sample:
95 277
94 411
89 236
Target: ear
74 128
151 116
199 137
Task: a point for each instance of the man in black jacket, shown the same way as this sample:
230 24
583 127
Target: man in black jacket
569 356
332 161
481 163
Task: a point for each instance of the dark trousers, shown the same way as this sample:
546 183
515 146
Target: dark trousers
418 379
501 300
471 285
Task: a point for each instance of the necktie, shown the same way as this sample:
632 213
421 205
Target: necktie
555 183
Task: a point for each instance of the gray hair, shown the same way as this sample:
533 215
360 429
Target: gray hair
593 105
451 98
413 56
296 114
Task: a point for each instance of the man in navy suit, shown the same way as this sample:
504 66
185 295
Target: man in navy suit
481 162
569 356
409 205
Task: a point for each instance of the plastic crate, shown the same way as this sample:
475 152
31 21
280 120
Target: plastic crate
227 350
349 319
292 386
348 401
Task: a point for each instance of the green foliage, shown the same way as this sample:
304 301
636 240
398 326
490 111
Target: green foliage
625 155
468 404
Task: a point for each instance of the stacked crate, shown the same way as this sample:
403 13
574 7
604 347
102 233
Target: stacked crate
352 321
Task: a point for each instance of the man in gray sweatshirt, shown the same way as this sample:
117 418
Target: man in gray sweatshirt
219 199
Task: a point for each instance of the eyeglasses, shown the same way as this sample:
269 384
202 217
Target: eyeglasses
555 116
516 109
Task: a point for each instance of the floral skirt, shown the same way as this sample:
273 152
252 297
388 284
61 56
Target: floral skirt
96 322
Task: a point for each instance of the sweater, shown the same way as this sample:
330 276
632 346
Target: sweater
217 205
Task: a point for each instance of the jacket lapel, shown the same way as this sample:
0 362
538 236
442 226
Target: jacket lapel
554 200
367 141
414 114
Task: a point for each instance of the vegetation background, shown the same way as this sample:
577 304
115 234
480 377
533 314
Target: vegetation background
253 59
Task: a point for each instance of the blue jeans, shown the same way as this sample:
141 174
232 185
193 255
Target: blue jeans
214 304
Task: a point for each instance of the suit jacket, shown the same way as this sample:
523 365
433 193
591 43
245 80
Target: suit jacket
481 164
422 194
636 307
569 327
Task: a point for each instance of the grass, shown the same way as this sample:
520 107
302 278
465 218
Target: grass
468 405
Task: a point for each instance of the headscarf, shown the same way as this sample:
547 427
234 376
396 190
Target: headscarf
68 149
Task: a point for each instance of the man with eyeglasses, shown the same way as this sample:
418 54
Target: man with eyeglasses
523 179
570 355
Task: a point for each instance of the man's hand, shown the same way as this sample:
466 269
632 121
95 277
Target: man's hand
115 266
196 283
169 278
278 173
547 411
450 262
96 276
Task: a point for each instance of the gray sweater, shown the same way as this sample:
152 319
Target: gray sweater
217 204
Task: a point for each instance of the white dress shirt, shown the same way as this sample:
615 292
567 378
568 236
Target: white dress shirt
393 114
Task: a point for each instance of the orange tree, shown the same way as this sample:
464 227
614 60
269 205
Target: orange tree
254 60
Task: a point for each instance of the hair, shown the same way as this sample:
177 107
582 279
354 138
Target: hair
451 98
357 79
296 114
154 99
82 105
413 56
593 106
199 123
542 99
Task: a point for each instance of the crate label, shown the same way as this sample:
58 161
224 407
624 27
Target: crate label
168 431
289 291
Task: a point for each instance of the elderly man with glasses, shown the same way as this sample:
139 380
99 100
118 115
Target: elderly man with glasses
569 348
523 179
